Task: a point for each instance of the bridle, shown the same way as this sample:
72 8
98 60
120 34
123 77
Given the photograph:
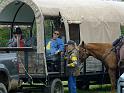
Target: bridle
108 53
86 53
83 52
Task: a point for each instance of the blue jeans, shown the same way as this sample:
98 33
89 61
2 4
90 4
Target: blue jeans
72 84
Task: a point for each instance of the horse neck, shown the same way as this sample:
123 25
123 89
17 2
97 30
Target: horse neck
98 50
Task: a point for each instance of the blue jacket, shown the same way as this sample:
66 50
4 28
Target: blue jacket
55 45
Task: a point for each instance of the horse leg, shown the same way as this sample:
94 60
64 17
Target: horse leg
112 75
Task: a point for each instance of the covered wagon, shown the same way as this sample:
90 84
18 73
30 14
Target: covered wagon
89 21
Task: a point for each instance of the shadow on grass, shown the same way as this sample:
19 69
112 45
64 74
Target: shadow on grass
94 89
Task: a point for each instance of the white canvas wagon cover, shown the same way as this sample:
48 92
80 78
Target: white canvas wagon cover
99 20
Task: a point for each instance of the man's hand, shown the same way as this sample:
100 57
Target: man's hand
71 65
62 53
57 52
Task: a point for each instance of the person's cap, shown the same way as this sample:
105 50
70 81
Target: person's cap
70 42
17 31
65 44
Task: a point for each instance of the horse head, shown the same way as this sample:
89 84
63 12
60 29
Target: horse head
83 52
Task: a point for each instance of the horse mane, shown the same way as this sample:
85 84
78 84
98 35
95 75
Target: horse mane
98 46
101 44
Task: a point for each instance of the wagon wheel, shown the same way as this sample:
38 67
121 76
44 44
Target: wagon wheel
3 88
55 87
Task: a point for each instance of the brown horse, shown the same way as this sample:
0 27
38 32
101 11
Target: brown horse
103 52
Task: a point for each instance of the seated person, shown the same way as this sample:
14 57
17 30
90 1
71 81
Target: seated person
55 47
17 40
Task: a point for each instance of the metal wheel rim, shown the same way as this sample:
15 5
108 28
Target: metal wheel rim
58 88
2 91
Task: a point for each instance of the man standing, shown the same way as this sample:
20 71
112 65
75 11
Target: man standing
72 65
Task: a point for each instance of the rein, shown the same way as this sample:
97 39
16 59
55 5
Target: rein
105 55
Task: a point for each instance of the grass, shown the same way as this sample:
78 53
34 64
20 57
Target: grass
93 89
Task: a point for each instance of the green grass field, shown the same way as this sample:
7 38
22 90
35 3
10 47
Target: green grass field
106 88
94 89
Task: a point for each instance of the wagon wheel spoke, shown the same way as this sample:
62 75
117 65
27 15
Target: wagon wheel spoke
57 88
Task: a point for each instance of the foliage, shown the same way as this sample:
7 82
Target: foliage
4 36
5 33
48 25
1 1
122 30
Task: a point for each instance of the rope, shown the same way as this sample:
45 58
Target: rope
105 55
27 72
25 69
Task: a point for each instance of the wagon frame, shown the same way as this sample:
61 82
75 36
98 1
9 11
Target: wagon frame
74 27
